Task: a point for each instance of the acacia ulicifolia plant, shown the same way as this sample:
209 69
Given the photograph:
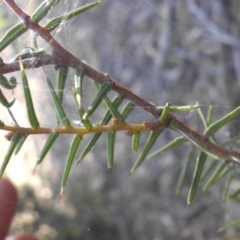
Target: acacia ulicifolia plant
113 120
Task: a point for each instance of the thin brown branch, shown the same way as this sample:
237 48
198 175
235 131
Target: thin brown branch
34 62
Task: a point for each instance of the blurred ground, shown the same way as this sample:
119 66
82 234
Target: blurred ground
164 50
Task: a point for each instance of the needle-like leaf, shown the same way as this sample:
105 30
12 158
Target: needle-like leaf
179 108
135 141
164 113
202 117
4 101
111 108
234 194
227 184
110 149
149 144
209 114
104 89
77 91
196 177
14 141
20 144
174 125
61 80
230 225
50 141
55 22
71 154
214 176
58 107
43 10
221 122
29 53
173 144
32 118
209 169
127 109
187 160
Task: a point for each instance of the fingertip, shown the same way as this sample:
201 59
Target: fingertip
7 186
8 204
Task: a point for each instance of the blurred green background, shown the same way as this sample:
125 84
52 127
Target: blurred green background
181 51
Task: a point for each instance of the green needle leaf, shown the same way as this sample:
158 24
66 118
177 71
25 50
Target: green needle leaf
110 148
182 176
32 118
228 168
230 225
78 95
87 124
151 140
209 114
4 101
173 144
61 80
20 144
71 154
29 53
178 109
127 109
221 122
213 179
104 89
78 83
135 141
14 141
174 125
202 118
58 107
43 10
50 141
55 22
227 184
196 177
206 122
12 117
208 170
111 108
234 194
11 35
164 113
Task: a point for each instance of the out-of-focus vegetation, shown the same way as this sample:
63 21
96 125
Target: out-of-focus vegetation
179 51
